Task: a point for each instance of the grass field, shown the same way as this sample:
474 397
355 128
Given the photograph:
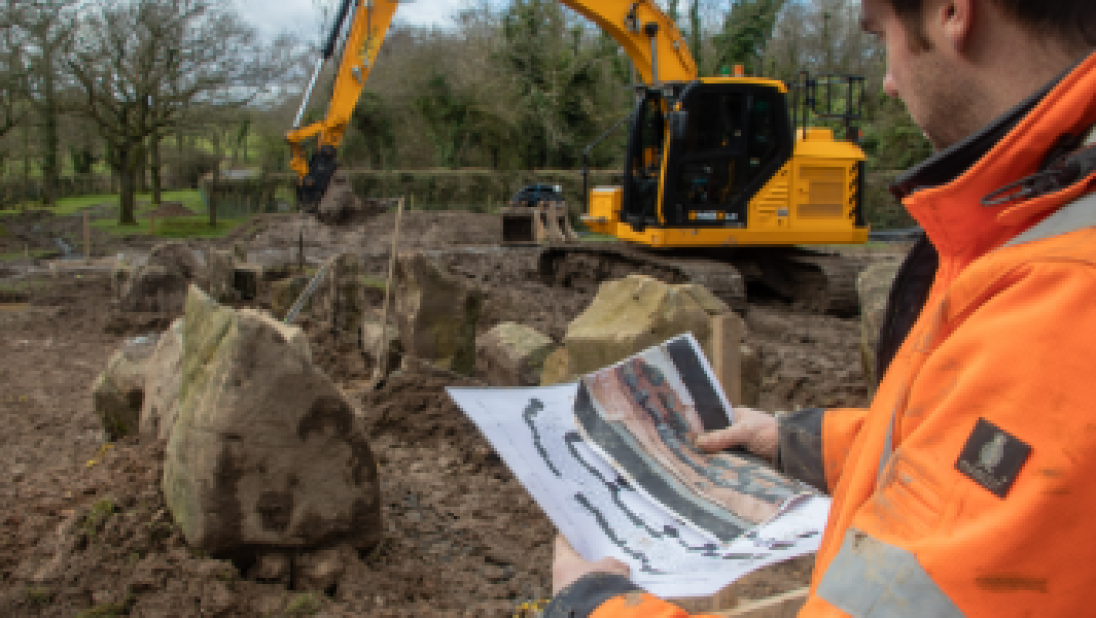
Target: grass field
175 227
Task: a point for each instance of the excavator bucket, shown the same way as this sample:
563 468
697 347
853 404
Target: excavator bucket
545 223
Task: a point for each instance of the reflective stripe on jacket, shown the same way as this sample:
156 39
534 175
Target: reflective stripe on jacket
1007 335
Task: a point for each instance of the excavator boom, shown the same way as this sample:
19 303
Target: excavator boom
368 26
647 35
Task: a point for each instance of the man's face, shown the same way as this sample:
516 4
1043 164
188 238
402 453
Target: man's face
923 78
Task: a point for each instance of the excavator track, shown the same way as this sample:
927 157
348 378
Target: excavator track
816 282
825 283
584 267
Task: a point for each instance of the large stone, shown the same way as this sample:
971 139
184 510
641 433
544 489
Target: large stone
339 301
873 285
266 451
631 314
436 313
154 288
286 292
175 255
512 354
118 393
121 273
221 275
373 337
554 370
163 376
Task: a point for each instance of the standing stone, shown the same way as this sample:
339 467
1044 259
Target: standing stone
340 299
266 451
175 255
120 275
512 354
220 275
554 370
436 313
632 314
118 392
154 288
873 285
163 376
371 340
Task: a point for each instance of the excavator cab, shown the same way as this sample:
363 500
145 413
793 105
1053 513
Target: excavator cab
736 137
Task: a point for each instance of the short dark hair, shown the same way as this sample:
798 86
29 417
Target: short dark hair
1071 21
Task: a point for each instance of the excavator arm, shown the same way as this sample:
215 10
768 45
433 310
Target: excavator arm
647 35
369 24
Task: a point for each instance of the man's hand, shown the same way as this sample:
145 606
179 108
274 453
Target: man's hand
568 566
753 429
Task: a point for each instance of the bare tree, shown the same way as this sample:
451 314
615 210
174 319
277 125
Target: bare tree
48 25
145 66
13 84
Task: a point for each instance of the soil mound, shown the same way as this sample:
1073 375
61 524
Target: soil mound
172 209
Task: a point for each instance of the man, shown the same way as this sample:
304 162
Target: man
964 489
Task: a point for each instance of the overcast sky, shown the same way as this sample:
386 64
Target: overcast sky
302 17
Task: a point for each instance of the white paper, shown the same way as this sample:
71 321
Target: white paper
533 431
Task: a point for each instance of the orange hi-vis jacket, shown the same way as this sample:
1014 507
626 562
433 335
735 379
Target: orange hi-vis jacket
964 489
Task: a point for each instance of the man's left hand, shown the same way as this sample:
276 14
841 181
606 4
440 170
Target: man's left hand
568 566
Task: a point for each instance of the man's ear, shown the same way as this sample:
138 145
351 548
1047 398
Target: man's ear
955 22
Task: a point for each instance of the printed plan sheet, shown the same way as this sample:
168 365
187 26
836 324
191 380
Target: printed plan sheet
602 514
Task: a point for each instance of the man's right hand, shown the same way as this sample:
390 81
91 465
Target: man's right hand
753 429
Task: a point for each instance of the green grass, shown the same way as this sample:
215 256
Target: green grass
190 198
18 255
306 604
374 282
175 227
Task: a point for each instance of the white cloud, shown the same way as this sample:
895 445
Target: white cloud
304 17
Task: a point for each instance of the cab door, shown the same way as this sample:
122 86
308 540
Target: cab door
643 163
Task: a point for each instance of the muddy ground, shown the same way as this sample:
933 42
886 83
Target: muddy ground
83 527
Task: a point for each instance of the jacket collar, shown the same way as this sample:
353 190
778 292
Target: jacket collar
944 193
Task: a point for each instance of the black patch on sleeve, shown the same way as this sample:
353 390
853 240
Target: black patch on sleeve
586 593
800 447
992 457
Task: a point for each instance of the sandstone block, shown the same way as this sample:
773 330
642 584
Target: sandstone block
340 299
629 315
118 392
154 288
175 255
436 313
266 450
220 275
554 370
371 337
163 377
512 354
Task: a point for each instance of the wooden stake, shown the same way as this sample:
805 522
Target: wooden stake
727 333
785 605
382 345
87 238
151 225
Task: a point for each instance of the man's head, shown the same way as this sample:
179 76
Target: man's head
958 64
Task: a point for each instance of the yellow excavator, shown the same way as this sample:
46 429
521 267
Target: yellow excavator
720 186
369 21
